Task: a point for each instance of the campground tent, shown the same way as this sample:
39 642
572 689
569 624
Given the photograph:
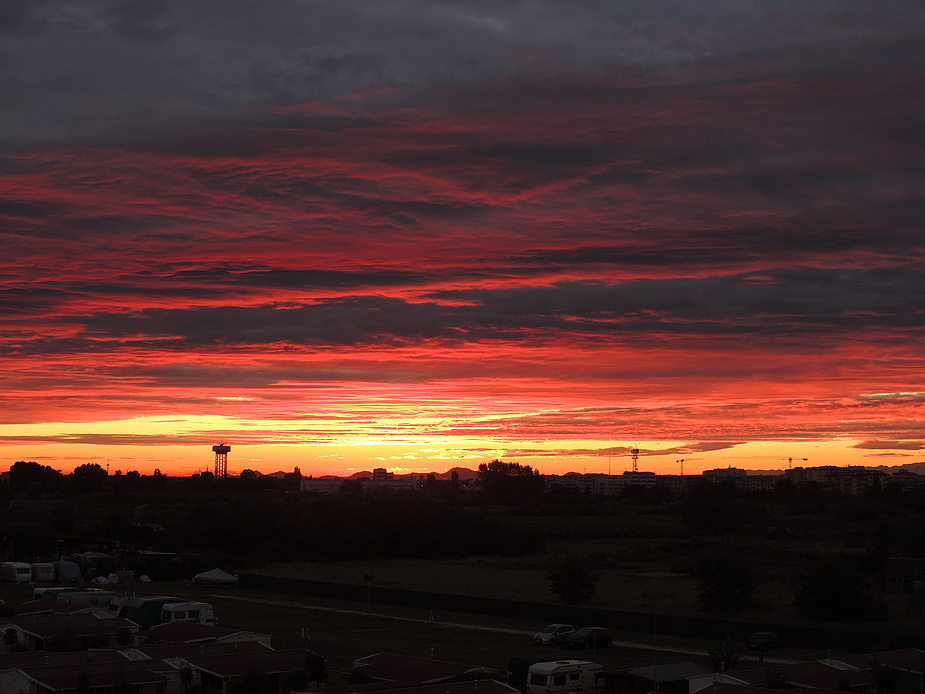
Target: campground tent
216 577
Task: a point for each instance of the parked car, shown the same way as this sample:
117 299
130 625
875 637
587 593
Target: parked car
763 640
552 634
589 637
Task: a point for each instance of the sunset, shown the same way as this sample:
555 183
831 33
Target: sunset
425 235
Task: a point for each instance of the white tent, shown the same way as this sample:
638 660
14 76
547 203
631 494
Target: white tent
216 577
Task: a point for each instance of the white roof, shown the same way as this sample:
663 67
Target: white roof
552 666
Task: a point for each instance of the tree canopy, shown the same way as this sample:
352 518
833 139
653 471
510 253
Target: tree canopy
509 483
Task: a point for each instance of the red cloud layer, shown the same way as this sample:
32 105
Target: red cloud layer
563 258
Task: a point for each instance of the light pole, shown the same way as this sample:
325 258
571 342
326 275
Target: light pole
369 608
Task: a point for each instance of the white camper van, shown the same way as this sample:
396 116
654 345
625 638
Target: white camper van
560 676
16 571
197 612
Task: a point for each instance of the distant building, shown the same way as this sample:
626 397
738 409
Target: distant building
381 478
742 480
724 473
642 479
906 479
852 479
596 484
679 484
323 485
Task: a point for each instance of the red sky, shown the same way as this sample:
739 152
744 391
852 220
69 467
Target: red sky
419 235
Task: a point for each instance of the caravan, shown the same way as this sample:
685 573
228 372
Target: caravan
50 592
91 597
145 611
197 612
43 572
561 676
16 572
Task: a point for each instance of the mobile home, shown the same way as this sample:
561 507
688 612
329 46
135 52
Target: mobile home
16 572
561 676
198 612
50 592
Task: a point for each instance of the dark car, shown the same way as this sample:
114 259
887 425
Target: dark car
589 637
763 640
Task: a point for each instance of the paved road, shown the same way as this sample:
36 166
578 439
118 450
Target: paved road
479 627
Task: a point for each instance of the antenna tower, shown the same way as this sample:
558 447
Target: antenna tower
635 454
221 459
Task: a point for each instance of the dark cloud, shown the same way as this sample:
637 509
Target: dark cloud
341 322
307 278
641 203
900 445
82 68
620 454
806 304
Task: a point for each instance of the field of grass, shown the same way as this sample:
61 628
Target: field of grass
635 574
344 631
641 568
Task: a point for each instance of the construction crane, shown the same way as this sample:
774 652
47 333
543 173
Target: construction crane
682 463
789 459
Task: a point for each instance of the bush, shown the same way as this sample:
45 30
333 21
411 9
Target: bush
725 580
573 581
836 590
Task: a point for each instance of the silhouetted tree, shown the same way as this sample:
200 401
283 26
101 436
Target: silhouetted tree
509 483
88 478
775 679
725 580
32 478
716 507
573 581
316 666
835 589
186 678
251 682
724 655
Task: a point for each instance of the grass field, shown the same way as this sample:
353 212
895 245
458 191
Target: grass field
638 568
634 575
344 631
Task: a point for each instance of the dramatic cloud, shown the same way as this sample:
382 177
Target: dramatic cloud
528 228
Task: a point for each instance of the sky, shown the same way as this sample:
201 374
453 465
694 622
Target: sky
420 234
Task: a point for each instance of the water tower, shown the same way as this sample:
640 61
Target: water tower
221 459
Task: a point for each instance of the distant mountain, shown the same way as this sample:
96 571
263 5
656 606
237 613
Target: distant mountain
917 468
463 472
